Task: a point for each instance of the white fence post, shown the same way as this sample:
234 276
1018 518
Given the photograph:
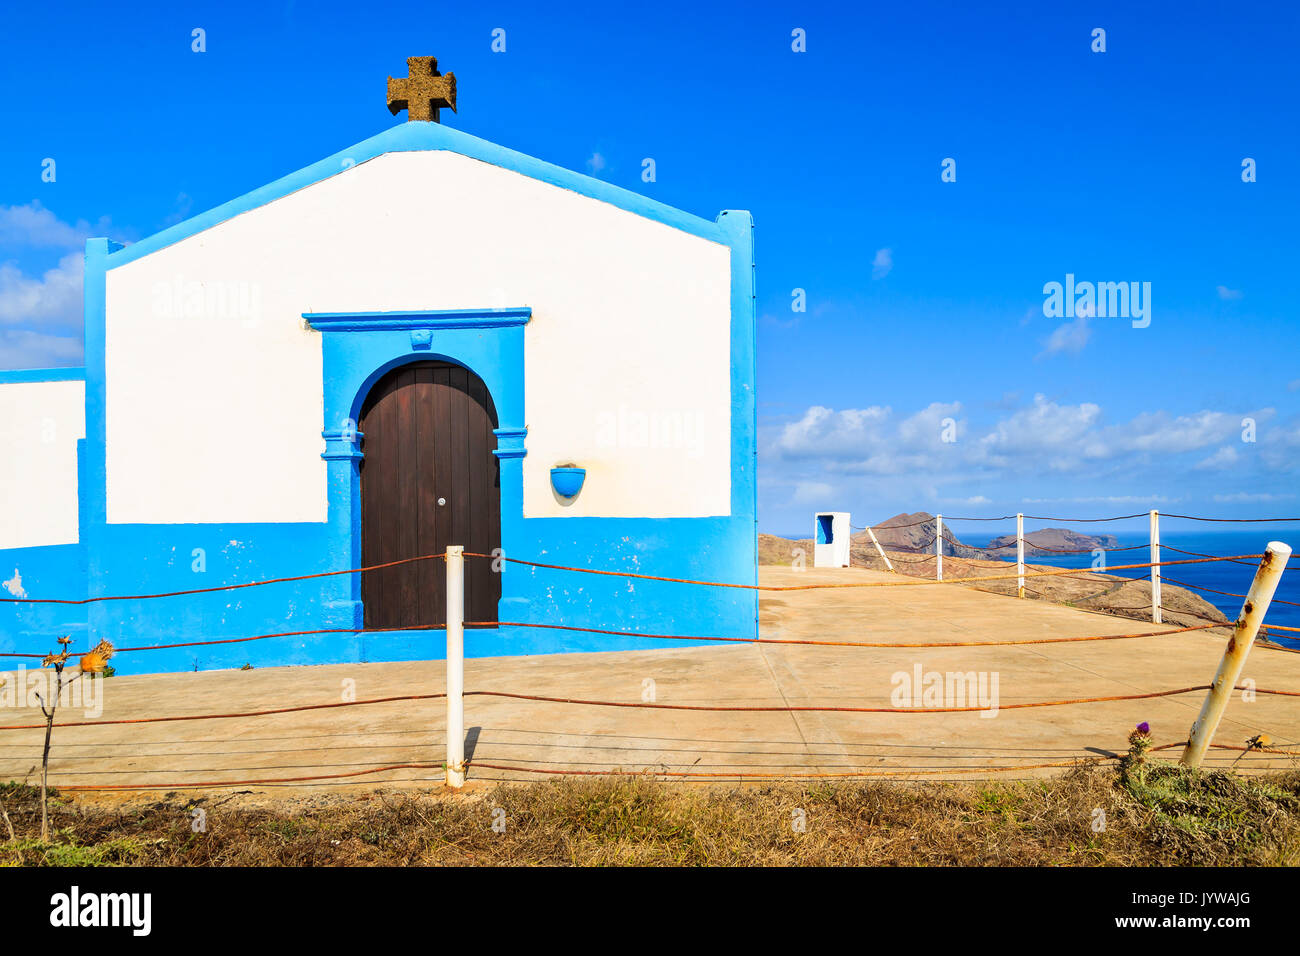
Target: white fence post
884 557
1234 656
1155 567
938 547
1020 555
455 666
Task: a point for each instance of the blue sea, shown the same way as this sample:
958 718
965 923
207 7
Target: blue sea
1219 575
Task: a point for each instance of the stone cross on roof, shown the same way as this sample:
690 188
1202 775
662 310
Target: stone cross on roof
423 91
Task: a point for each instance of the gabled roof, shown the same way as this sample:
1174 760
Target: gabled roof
420 136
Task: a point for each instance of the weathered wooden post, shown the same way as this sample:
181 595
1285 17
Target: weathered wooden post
1234 656
455 666
884 557
1020 555
1155 567
938 547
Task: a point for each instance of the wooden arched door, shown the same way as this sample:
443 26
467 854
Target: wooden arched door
429 479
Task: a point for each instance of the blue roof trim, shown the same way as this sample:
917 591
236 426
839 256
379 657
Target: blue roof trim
430 319
15 376
413 137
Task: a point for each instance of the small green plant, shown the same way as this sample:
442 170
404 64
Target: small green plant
1133 765
116 852
1196 809
1002 803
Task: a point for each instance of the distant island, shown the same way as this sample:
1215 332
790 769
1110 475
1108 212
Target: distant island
1049 540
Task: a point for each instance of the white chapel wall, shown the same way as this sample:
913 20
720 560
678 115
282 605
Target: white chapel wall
40 423
217 417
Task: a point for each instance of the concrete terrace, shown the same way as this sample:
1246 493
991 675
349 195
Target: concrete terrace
560 736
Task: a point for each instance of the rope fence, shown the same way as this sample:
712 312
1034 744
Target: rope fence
710 774
716 775
646 705
1246 628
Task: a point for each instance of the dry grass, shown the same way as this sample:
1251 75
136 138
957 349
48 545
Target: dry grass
1156 814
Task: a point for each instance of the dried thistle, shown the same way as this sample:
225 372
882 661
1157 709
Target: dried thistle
97 659
56 660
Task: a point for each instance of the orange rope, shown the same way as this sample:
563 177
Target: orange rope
677 774
774 640
852 710
262 637
650 706
1200 587
223 587
536 564
669 637
240 783
859 584
1263 750
1200 554
723 774
248 713
782 776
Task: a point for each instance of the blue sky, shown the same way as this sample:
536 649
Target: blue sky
924 299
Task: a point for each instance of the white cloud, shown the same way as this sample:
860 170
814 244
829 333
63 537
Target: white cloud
812 493
1247 497
50 302
22 348
1069 338
1279 448
882 264
868 440
823 432
34 226
1065 432
1159 432
1066 454
1223 458
1050 440
925 428
1227 294
41 314
973 500
767 318
1101 500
